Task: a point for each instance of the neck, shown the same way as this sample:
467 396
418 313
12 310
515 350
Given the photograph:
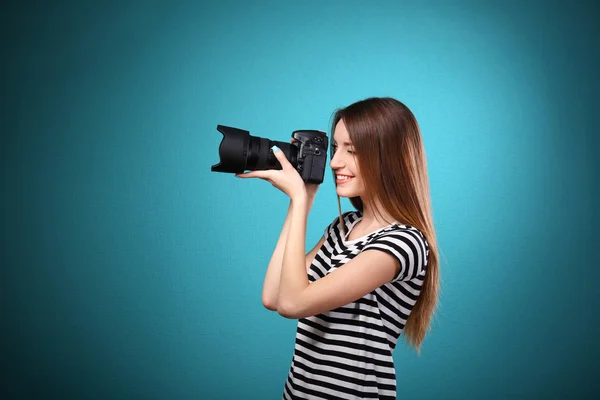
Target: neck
369 218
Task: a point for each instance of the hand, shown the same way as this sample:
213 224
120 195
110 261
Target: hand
287 179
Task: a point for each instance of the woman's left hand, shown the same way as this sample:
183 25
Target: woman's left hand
287 179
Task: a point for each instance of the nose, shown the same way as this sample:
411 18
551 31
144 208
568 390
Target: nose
336 161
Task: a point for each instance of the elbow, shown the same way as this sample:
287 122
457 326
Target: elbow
269 303
285 309
270 306
288 310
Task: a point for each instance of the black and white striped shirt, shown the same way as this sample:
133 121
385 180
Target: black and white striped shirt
346 353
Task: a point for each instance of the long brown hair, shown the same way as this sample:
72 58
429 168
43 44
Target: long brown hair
391 160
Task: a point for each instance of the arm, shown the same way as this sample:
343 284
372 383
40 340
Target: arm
301 196
360 276
272 277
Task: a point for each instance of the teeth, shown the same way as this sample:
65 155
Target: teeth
343 177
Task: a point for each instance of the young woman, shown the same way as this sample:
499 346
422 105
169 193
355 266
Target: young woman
374 273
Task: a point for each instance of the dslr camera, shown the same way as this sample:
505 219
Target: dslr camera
239 152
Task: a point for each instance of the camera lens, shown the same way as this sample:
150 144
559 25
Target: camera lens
239 152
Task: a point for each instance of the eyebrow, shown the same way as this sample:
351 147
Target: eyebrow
346 143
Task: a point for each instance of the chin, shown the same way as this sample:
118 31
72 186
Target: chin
343 192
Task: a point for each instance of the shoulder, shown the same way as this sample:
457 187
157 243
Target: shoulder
405 243
404 233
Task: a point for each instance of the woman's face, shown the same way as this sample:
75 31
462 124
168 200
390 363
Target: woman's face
348 181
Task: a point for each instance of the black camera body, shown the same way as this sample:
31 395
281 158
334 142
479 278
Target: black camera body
239 152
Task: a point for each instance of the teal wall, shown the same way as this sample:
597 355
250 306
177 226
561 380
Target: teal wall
131 271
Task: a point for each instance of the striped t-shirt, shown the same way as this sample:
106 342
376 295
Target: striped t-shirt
346 353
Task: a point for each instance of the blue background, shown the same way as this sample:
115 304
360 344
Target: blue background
130 270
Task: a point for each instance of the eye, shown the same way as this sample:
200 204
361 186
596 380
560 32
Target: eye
351 151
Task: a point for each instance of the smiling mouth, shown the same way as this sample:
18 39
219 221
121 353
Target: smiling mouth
341 179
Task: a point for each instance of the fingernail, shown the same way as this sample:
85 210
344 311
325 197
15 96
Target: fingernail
275 149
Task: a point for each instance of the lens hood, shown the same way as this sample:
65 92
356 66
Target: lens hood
232 150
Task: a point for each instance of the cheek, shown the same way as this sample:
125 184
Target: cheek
360 184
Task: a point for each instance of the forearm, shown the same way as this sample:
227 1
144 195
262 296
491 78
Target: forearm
273 274
294 280
272 279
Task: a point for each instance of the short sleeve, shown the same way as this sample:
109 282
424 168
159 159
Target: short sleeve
408 246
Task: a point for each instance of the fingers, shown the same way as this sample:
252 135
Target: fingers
263 174
280 155
268 174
